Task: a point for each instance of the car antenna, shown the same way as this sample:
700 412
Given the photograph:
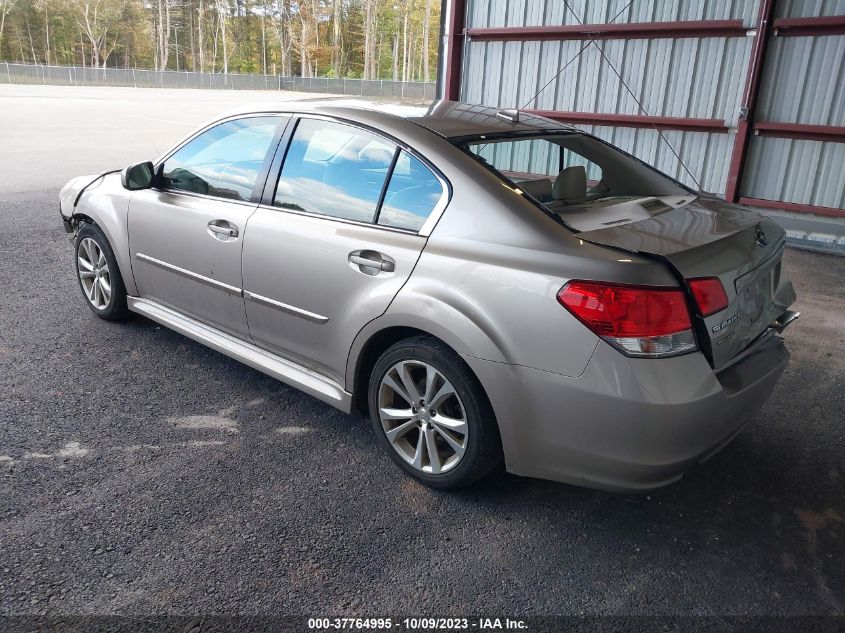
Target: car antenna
621 80
509 115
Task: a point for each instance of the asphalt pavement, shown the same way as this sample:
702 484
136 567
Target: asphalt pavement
143 473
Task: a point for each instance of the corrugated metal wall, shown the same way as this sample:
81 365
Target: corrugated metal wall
791 170
803 82
705 154
490 13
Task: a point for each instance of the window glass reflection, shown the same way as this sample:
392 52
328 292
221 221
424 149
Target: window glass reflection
334 169
411 196
224 161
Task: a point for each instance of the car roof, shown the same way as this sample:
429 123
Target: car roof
450 119
453 119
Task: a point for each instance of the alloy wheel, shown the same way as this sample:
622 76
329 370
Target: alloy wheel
422 417
94 273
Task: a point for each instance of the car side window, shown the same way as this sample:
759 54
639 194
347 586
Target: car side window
223 161
334 169
411 195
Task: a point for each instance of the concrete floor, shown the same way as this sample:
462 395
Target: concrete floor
143 473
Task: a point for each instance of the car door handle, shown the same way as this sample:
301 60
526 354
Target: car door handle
223 228
373 261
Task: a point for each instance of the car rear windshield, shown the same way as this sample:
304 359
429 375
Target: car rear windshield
569 168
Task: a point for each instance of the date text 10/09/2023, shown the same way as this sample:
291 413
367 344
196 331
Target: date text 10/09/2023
418 624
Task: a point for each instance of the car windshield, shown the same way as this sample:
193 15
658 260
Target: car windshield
570 169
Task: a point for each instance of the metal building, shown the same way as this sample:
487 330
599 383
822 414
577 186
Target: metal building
749 93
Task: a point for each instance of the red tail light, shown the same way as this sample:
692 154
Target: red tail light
638 320
709 295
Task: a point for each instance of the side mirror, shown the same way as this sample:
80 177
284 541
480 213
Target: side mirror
137 176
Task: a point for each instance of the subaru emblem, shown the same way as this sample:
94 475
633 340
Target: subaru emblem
761 238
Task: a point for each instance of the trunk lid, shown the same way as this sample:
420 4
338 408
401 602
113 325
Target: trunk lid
707 237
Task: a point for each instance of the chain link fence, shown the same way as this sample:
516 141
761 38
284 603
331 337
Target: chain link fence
129 77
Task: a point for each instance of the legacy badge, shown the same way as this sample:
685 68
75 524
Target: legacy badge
721 326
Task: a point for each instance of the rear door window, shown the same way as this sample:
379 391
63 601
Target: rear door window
334 169
411 195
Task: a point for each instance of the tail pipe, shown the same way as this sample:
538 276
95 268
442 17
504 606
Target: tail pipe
784 320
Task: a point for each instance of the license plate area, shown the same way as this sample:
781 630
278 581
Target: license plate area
755 290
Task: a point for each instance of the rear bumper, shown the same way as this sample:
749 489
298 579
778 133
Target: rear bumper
626 424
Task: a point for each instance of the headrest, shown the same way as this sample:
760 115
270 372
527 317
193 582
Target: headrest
540 189
376 156
346 155
571 185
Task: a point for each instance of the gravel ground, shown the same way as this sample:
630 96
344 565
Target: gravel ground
143 473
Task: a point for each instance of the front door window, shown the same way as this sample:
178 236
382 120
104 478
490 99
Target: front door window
224 161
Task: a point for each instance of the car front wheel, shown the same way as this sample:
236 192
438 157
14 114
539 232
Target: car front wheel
98 274
431 414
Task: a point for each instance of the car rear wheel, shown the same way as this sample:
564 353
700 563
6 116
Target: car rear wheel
431 414
98 274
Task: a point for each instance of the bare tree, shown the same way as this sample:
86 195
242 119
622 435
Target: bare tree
281 26
200 37
264 37
90 26
47 29
163 34
405 47
216 31
95 19
5 7
411 47
396 57
108 50
369 38
31 43
304 37
223 9
190 12
425 36
337 37
307 35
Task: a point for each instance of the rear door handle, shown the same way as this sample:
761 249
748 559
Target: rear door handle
371 262
222 229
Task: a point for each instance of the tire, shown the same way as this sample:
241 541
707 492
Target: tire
464 431
100 280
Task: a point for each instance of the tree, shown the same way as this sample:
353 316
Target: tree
96 18
405 48
369 38
162 31
45 6
223 9
425 37
337 38
200 35
374 39
6 7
